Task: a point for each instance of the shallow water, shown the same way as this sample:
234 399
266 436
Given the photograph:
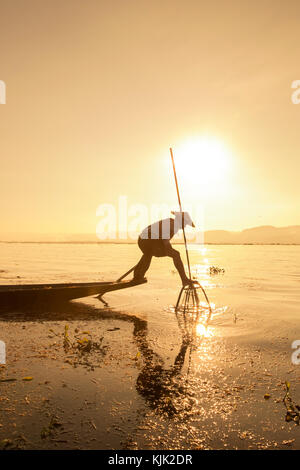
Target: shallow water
147 389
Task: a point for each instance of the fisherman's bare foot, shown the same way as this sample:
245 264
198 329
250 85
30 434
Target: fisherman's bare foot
139 280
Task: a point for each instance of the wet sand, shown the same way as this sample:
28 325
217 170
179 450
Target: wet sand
123 391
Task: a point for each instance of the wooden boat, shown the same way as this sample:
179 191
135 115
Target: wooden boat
42 294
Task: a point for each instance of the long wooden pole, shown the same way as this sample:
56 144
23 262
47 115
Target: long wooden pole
186 249
180 206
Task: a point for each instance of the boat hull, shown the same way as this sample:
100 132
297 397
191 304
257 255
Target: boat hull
36 294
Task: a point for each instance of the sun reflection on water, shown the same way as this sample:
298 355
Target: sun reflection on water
204 330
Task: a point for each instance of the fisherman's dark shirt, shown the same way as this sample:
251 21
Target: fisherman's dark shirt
163 230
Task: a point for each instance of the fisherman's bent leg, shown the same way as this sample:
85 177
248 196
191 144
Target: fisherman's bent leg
142 266
175 255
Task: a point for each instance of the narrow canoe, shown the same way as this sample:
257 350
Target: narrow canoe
32 294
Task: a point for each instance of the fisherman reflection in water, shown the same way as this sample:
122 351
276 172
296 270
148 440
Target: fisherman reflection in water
155 241
164 389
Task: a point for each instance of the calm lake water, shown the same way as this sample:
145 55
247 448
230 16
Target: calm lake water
149 390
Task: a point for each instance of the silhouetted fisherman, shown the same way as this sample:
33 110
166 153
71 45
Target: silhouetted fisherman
155 241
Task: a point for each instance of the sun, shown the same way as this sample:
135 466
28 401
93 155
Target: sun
202 163
204 160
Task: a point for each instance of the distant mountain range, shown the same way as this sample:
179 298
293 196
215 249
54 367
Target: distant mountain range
266 234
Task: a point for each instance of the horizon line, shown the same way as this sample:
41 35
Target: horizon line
90 233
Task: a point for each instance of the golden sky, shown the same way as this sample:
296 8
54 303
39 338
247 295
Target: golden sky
98 90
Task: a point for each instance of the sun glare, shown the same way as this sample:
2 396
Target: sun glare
204 160
202 330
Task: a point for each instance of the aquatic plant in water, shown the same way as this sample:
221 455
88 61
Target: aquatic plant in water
214 270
